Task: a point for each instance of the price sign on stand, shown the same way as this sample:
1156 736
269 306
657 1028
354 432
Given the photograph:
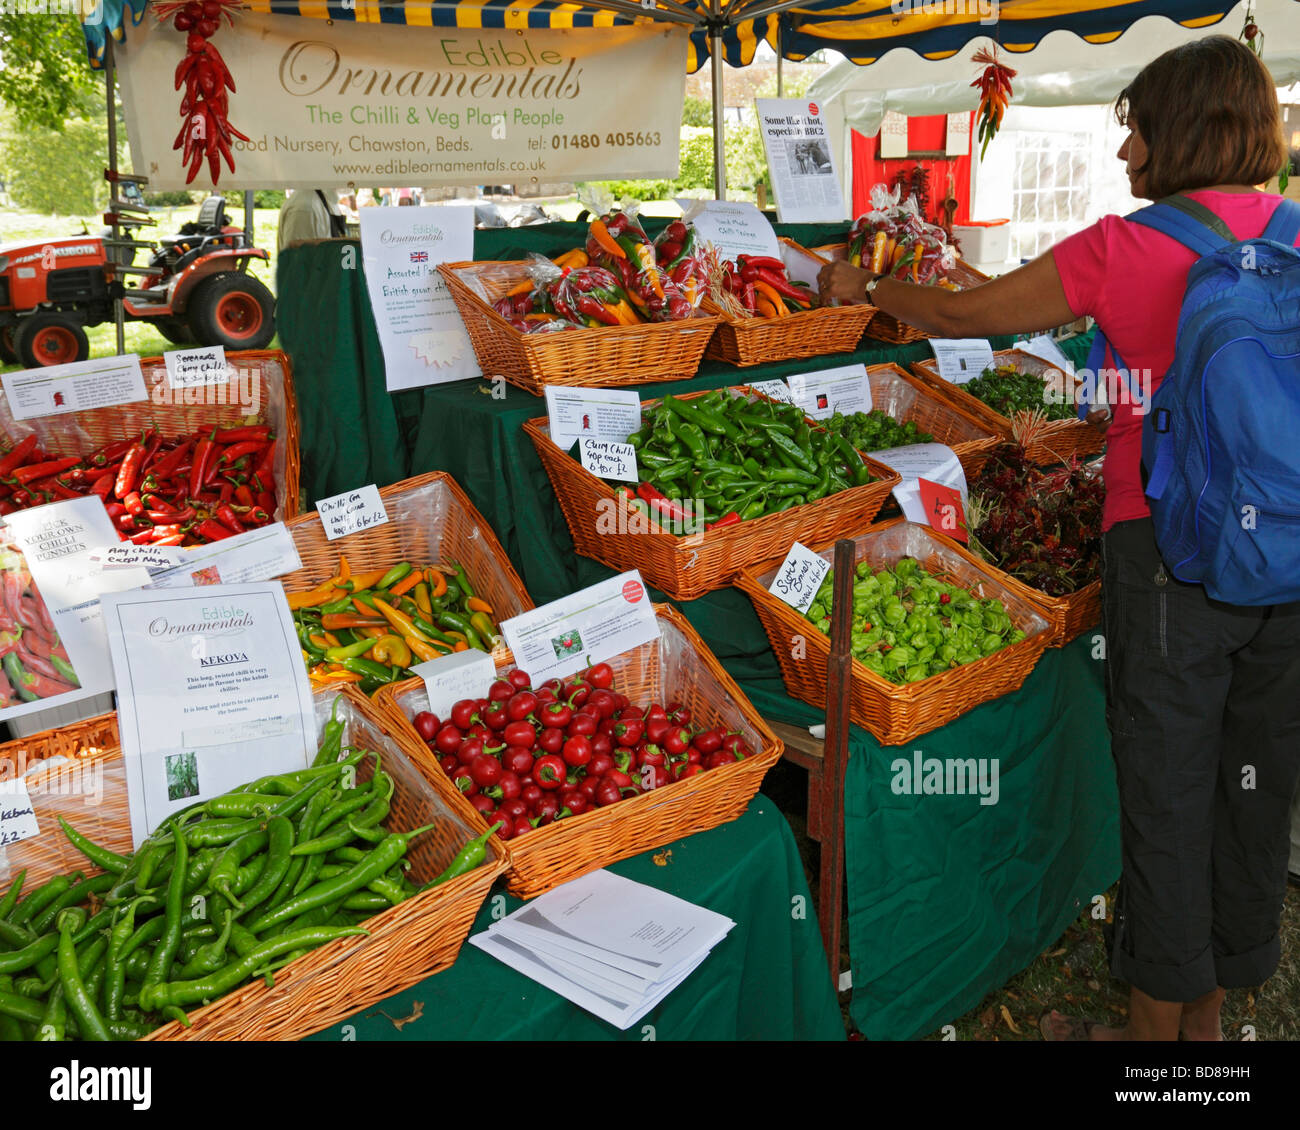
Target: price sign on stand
588 626
846 389
98 383
594 413
918 463
735 227
799 577
961 359
212 691
353 510
943 508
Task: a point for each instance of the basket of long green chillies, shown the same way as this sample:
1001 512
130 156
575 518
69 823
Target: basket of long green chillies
268 912
1021 392
727 479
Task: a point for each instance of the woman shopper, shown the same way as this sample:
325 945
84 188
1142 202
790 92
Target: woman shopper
1203 698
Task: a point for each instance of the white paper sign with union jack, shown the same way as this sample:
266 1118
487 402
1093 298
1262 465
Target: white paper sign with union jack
420 331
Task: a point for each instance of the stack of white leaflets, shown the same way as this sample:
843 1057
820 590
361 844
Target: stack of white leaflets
612 946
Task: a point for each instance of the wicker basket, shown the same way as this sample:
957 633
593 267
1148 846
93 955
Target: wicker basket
811 333
608 530
429 518
899 394
887 328
406 944
1057 442
896 714
590 358
678 666
86 785
263 378
1069 616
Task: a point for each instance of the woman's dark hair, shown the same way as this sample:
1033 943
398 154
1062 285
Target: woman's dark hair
1208 113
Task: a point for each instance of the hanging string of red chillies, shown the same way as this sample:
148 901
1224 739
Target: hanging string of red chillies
191 490
205 130
994 85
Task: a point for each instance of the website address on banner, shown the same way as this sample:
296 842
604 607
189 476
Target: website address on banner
402 167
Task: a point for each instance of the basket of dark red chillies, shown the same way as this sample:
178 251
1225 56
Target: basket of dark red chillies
184 467
354 870
179 490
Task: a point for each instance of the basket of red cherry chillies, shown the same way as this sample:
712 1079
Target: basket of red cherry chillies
192 489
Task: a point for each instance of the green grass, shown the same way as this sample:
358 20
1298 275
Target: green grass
141 337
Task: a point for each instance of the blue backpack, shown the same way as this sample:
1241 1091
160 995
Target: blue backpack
1221 441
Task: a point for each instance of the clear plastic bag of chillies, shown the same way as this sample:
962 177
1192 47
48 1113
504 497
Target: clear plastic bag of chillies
717 460
223 893
370 627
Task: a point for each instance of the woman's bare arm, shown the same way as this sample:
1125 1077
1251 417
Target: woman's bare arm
1028 299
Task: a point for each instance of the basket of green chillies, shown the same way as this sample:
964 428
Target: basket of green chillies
1024 397
268 912
726 479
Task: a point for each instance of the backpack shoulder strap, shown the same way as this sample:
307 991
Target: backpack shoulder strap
1284 225
1191 224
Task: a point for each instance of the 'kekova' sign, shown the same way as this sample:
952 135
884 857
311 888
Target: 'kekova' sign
326 105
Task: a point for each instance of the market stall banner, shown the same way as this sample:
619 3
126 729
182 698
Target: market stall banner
328 105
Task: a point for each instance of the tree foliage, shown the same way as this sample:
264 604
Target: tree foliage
45 78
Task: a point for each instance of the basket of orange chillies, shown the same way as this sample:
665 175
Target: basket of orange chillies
370 627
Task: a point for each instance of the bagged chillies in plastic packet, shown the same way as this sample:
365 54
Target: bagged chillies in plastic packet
894 239
618 243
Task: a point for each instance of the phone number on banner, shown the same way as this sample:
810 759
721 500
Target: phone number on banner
592 140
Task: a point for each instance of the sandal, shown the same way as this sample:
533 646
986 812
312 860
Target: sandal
1079 1029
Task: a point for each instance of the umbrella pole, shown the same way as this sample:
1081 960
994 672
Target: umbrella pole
111 104
780 85
719 145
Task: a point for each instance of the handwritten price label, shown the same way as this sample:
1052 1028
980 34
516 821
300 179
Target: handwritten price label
17 817
799 577
190 367
609 460
773 390
351 511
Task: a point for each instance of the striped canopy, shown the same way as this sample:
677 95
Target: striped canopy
863 30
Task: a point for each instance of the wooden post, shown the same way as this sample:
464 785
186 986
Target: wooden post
838 674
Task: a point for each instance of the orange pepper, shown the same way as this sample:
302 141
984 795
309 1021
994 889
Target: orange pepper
600 233
771 295
437 581
407 583
461 645
474 604
313 597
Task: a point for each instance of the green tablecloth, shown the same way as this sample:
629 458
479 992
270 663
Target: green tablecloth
767 980
969 896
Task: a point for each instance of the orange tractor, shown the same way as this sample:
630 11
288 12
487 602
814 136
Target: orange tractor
195 288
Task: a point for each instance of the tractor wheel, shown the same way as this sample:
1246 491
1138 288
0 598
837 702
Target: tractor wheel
8 351
50 338
175 330
233 310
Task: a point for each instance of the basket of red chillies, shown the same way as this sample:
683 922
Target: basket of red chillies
766 316
184 467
